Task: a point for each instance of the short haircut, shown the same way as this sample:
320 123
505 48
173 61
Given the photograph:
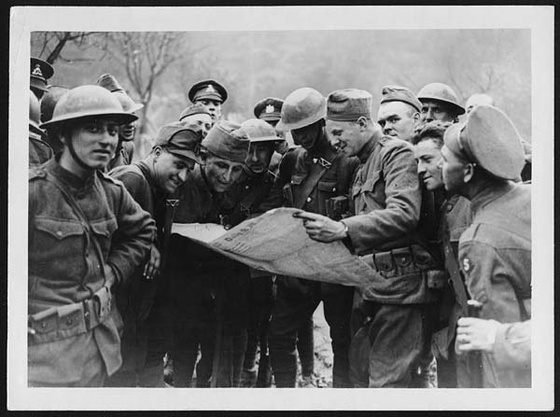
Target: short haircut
433 130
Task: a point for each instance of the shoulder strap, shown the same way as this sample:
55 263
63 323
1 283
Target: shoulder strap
454 270
310 182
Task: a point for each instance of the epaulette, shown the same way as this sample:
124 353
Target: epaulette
36 172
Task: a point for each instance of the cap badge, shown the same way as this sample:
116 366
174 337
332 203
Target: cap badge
269 109
37 71
210 88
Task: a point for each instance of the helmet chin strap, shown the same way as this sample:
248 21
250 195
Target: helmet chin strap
75 156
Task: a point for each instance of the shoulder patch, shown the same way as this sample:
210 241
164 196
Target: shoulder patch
466 264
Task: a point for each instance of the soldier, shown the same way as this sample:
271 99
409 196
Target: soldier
199 115
41 71
211 95
48 102
439 102
151 182
399 111
125 149
208 292
314 177
480 160
252 189
86 235
454 216
269 109
39 151
391 317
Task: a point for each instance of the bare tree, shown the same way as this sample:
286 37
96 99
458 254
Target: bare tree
51 44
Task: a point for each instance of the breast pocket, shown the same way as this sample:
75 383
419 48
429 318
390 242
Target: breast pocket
369 194
328 188
51 231
104 230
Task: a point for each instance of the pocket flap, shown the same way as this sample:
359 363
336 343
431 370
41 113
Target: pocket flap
104 227
58 228
297 179
327 186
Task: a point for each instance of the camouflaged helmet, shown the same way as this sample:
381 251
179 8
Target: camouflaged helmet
259 131
441 92
302 107
88 100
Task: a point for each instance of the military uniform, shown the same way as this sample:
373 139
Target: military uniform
72 259
135 300
495 251
297 299
387 202
497 266
39 151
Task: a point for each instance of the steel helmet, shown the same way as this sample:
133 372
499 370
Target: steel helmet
259 131
49 100
88 100
441 92
301 108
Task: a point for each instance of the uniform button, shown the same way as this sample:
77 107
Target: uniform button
59 233
403 259
43 325
334 189
69 321
309 199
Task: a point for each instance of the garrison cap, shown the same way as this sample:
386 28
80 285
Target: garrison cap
180 140
477 99
268 109
488 138
348 105
196 108
208 89
398 93
227 140
41 71
110 83
441 92
258 130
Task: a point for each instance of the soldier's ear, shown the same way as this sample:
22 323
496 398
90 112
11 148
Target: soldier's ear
468 171
362 122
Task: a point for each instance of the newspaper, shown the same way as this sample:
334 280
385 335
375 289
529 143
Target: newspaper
277 243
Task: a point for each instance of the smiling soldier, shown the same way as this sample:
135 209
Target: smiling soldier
86 236
151 182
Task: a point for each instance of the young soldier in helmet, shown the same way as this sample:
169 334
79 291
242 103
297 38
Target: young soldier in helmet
151 182
86 235
481 159
439 102
310 177
391 317
125 149
208 292
212 95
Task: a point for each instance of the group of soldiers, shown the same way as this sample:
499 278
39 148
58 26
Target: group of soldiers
433 196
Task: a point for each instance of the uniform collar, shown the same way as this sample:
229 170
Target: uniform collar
368 148
494 191
75 182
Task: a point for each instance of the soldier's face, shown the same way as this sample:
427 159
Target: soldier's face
201 119
214 107
127 131
346 136
397 119
221 173
94 141
453 171
436 110
428 155
171 170
307 136
260 154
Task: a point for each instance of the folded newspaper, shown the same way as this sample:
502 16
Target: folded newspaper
276 242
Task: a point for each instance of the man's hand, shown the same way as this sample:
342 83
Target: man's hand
321 228
152 266
475 334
